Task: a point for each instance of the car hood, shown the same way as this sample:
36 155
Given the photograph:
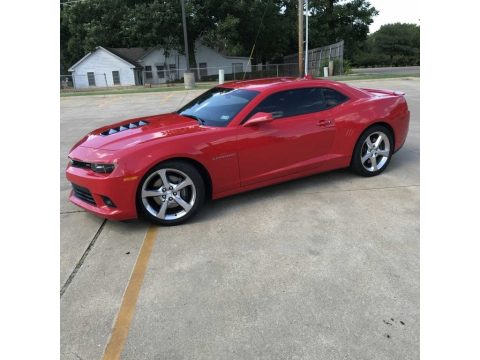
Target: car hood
132 132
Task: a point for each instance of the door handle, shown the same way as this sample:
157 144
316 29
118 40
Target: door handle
325 123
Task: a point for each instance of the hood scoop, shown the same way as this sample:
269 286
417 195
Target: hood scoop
124 127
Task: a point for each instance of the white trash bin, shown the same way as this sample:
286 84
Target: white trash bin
221 76
189 80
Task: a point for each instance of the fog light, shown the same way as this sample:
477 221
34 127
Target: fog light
108 202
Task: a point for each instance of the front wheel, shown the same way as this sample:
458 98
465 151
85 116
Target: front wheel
373 151
170 193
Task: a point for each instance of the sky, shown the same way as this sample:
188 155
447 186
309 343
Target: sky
391 11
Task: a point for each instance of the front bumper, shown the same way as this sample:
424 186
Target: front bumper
119 189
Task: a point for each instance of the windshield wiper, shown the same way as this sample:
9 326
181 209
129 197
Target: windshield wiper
200 121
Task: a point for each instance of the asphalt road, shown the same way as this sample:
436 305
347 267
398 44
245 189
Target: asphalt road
325 267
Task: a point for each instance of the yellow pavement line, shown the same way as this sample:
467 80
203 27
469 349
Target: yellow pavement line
167 97
119 334
107 101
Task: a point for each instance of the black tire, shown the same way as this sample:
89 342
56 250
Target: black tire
192 195
362 150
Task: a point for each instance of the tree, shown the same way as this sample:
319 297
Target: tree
117 23
87 24
154 23
235 29
335 20
392 45
231 27
400 42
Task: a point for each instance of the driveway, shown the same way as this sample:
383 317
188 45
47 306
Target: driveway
325 267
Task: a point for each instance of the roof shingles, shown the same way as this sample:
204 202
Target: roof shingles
131 55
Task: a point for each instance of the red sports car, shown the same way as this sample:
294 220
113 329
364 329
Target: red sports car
235 137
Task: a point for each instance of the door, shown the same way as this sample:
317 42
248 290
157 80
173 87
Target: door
298 139
138 77
160 73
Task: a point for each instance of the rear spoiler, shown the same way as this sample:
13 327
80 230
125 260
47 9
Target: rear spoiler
386 92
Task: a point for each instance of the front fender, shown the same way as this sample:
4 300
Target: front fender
217 153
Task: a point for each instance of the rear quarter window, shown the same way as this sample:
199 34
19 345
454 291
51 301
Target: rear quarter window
333 98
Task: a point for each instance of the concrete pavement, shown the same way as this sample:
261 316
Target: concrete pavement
325 267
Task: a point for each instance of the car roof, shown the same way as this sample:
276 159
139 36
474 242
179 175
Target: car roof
287 83
280 82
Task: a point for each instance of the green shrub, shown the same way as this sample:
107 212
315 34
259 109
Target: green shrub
347 67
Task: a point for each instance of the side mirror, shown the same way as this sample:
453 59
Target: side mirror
259 118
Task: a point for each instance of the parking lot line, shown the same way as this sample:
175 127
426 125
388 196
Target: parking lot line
119 334
167 97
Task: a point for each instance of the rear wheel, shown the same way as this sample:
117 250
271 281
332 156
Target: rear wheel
170 193
373 151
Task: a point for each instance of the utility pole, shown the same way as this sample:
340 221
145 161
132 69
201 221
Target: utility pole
188 78
300 38
306 37
184 21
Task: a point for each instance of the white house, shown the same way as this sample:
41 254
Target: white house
136 66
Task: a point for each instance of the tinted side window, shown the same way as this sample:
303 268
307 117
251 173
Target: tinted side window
333 98
218 106
292 102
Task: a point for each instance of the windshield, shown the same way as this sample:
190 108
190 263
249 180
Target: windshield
217 106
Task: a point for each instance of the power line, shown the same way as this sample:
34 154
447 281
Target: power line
255 42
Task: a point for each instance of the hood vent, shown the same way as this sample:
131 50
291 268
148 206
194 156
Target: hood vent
131 125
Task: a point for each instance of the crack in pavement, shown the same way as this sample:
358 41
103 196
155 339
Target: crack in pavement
82 259
72 212
77 356
361 189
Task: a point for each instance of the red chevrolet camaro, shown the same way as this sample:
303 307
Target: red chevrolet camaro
235 137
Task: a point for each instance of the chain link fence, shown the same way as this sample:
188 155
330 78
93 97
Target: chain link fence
171 76
85 81
211 73
320 58
330 57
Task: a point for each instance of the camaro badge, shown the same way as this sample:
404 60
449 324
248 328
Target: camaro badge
224 156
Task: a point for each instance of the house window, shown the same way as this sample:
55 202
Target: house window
160 71
91 78
203 69
116 77
148 72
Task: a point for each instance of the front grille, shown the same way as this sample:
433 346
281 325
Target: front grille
83 194
81 164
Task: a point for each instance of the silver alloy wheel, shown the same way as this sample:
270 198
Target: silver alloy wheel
375 151
168 194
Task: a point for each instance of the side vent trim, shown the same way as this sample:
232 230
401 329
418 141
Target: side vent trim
124 127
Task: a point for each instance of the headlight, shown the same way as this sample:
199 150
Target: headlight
102 168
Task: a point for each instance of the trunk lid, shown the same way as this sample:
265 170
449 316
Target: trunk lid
383 92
